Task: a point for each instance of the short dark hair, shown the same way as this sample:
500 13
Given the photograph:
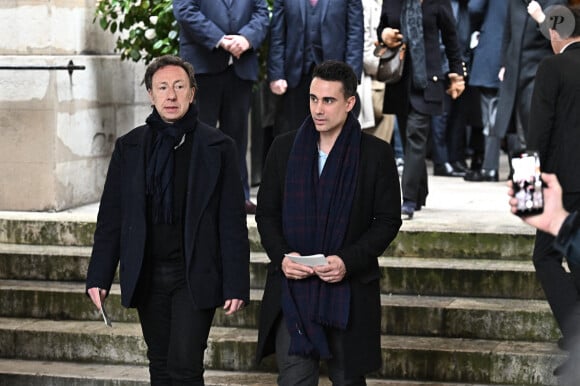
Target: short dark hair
168 60
334 70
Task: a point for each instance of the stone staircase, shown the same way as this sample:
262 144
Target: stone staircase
459 308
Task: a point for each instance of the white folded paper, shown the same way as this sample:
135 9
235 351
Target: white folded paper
310 260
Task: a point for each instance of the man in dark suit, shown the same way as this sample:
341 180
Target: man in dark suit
329 189
555 132
523 47
172 215
221 39
304 33
488 19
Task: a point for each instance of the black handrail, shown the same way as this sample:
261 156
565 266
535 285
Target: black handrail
70 67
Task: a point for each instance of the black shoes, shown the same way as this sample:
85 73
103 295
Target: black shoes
481 175
446 170
460 166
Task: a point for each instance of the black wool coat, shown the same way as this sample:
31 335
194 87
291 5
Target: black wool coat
374 222
215 235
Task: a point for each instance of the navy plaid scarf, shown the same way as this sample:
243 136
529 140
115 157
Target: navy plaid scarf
316 214
159 172
412 28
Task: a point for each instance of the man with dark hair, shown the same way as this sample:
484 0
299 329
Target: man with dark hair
555 132
327 189
172 215
304 33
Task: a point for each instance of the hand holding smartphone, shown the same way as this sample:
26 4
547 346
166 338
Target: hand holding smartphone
526 182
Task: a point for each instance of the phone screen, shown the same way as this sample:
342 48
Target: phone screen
527 184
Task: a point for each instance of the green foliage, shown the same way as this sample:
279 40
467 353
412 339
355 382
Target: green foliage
145 29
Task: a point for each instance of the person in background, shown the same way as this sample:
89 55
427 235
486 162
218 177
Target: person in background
448 130
172 218
419 94
554 131
331 189
522 49
304 33
371 91
488 18
221 39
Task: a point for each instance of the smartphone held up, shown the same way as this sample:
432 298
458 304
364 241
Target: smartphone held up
526 182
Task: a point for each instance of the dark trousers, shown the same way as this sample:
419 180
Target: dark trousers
176 334
439 153
414 180
562 289
296 370
294 107
224 101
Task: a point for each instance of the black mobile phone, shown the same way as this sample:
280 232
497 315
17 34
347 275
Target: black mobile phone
527 184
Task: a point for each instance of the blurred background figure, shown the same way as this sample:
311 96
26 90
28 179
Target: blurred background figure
448 130
554 131
221 39
488 18
304 33
522 49
419 94
371 91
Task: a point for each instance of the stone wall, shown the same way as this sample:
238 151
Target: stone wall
58 129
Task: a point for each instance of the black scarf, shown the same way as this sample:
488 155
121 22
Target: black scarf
412 28
160 162
316 214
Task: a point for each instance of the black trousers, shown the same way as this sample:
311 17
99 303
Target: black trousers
562 289
295 370
224 100
175 332
414 180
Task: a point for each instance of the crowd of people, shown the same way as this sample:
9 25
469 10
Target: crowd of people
174 206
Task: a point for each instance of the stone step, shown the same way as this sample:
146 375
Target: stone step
68 230
43 262
46 229
42 373
477 318
404 357
402 275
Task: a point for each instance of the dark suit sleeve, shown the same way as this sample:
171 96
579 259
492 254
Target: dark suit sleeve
355 36
256 29
507 35
270 201
233 231
277 45
543 109
446 24
477 10
194 23
106 247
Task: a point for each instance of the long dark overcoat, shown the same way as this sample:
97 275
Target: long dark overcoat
374 222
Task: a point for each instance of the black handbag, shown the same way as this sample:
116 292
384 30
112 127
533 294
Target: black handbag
391 63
